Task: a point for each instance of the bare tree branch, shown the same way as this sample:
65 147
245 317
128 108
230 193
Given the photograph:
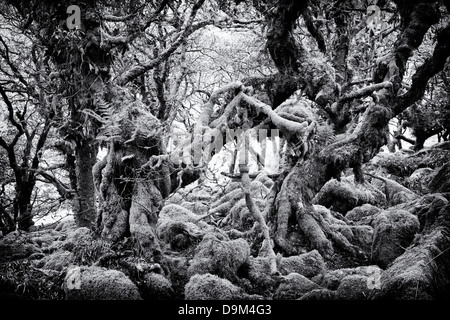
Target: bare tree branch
185 31
426 71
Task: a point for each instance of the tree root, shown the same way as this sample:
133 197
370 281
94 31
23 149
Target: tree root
295 197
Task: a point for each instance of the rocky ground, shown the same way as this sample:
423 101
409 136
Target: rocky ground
399 219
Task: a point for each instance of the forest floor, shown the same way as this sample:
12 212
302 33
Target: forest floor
211 246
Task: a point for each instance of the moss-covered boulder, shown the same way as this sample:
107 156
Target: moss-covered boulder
293 286
419 180
342 196
362 237
219 256
156 287
353 287
197 208
57 260
319 294
332 279
180 228
78 236
308 264
363 215
394 231
211 287
422 271
95 283
441 180
17 245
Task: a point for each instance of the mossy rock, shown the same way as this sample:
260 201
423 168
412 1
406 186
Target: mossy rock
353 287
393 233
180 228
77 236
293 286
17 245
422 271
156 287
342 196
441 180
362 237
332 279
219 256
419 180
319 294
308 264
364 214
211 287
96 283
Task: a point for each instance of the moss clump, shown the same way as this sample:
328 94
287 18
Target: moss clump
342 196
422 271
220 257
353 287
293 286
364 214
211 287
156 287
180 228
17 245
308 264
332 280
393 233
95 283
57 260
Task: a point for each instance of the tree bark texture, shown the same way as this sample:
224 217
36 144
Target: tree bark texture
131 182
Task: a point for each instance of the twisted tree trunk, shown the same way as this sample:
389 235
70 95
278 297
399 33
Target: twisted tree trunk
131 181
366 134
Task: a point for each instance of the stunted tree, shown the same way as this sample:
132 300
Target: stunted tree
83 59
79 66
25 128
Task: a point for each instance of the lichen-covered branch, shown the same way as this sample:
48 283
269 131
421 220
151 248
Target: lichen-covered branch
366 91
208 108
428 69
185 31
267 245
281 123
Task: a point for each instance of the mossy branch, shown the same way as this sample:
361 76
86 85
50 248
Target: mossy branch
267 243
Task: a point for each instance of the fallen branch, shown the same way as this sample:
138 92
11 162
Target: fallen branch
267 245
281 123
366 91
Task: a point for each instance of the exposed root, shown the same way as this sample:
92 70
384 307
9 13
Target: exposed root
267 246
295 197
